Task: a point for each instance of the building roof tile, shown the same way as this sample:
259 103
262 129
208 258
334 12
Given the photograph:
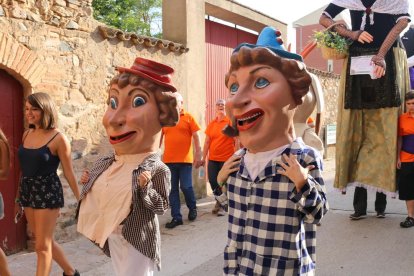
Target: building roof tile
146 41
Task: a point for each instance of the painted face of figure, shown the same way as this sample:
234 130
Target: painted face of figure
410 106
33 114
132 120
262 104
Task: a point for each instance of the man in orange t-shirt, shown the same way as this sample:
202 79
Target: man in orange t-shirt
219 148
178 156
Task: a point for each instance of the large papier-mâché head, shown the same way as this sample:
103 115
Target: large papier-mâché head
265 84
141 101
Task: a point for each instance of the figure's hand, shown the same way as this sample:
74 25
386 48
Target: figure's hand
18 212
398 163
84 177
230 166
144 178
294 171
364 37
380 66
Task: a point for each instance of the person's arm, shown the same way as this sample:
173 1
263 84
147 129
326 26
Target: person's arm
64 153
342 30
17 203
379 58
4 160
197 148
399 146
206 148
326 20
231 165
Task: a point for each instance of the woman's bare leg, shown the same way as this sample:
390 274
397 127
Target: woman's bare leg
410 207
44 226
56 250
4 269
60 258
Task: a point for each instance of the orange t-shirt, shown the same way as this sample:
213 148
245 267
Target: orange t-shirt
406 127
178 147
221 146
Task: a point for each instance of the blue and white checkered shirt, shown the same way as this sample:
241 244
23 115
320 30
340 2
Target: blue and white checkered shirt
267 217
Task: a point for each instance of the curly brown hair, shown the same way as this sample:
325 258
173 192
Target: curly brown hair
166 101
295 72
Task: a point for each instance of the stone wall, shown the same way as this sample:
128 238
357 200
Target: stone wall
68 14
330 84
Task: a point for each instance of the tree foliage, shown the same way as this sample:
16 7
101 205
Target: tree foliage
140 16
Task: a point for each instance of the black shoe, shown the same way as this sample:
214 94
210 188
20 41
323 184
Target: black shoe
76 273
357 216
380 215
173 223
192 215
407 223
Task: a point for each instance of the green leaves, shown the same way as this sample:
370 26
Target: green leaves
332 40
142 17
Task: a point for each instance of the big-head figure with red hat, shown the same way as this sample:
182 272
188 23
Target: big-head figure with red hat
124 192
274 184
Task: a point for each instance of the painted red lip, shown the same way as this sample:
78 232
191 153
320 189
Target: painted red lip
249 119
121 138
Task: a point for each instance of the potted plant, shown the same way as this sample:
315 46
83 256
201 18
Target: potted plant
333 46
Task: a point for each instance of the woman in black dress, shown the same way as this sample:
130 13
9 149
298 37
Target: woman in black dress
40 193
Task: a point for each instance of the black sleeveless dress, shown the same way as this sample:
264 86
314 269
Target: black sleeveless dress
40 186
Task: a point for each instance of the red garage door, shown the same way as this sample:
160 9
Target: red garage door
220 42
12 236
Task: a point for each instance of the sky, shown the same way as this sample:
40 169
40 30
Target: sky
291 10
286 10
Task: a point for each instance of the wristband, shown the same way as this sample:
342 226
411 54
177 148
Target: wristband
221 184
17 200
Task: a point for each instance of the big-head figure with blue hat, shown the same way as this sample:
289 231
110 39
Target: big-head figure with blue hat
273 53
276 173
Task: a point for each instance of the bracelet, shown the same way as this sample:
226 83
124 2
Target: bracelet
17 200
221 184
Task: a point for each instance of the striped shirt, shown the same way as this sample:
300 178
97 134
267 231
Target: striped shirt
140 228
267 216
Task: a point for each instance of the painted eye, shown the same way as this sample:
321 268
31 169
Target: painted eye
233 88
138 101
113 103
261 83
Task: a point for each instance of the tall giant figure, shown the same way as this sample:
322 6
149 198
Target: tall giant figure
366 144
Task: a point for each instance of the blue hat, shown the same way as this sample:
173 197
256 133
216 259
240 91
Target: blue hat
269 38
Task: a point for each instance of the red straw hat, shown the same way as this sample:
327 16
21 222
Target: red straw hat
151 70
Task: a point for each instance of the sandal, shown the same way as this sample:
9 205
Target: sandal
408 222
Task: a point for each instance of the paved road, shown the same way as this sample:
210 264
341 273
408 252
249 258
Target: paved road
367 247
